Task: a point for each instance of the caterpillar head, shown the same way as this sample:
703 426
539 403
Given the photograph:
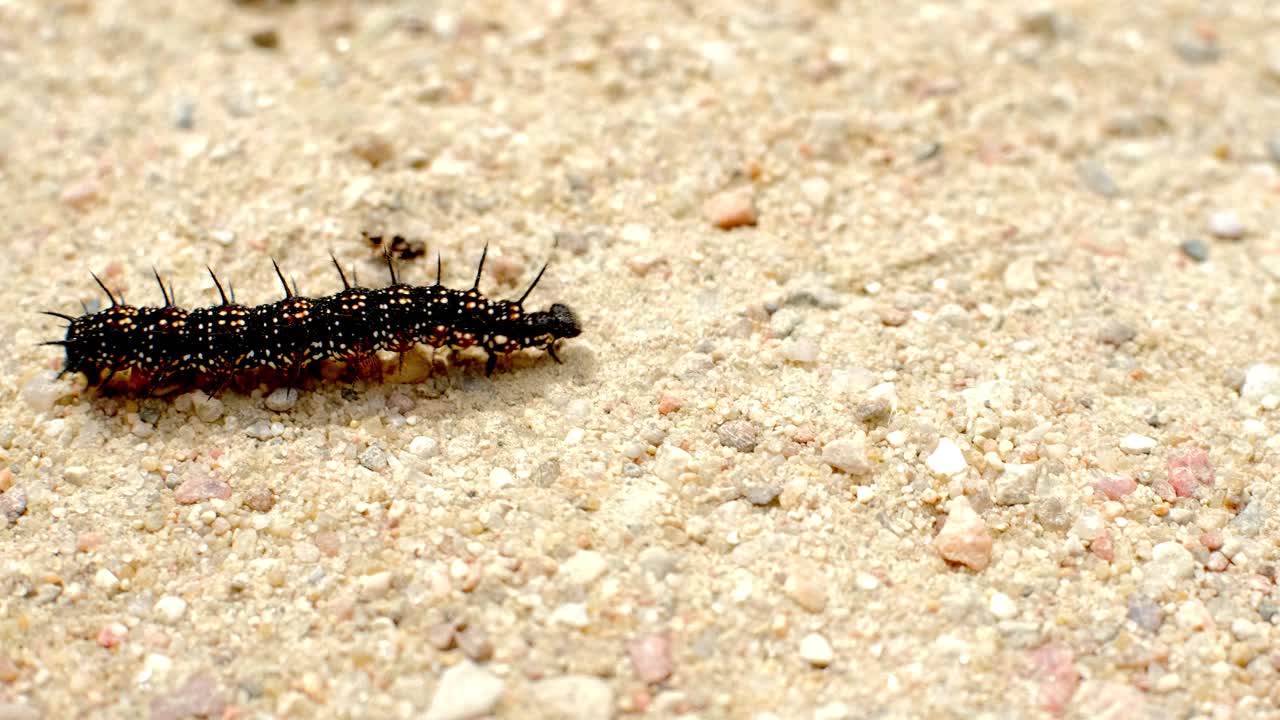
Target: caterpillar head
542 328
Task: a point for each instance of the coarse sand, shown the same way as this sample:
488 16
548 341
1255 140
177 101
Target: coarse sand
930 364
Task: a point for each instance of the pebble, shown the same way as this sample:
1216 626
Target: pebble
265 37
1197 48
1170 566
799 351
571 697
208 409
650 658
1145 612
183 113
282 399
1052 668
1116 333
1225 224
500 478
465 691
1189 470
170 609
199 696
1002 606
964 538
658 561
670 462
807 586
1195 249
374 458
1273 148
18 711
1020 277
848 454
1097 179
375 585
1261 384
761 495
199 487
815 650
1016 484
1115 487
474 642
373 148
741 435
731 209
946 460
81 195
816 191
43 391
13 503
260 499
1136 444
424 447
571 615
106 580
584 568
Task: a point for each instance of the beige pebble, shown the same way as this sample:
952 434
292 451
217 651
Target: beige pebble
730 209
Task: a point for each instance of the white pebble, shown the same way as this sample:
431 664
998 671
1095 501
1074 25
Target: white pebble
584 568
501 477
375 585
670 462
1020 277
801 352
1260 382
1002 606
1226 224
106 580
816 651
816 191
866 581
946 460
848 454
465 691
1135 444
171 608
572 615
424 447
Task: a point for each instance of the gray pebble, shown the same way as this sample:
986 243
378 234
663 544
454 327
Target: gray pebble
1251 518
13 503
374 458
1268 609
1097 179
1195 249
740 435
184 113
1116 333
1195 49
282 399
1273 148
474 643
873 412
260 430
927 151
658 561
1145 613
572 697
819 297
761 495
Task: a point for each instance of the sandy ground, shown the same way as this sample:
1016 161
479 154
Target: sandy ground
978 419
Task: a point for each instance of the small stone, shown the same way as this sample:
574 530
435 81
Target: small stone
265 37
106 580
740 435
18 711
260 499
112 634
1197 48
500 477
571 697
1145 613
13 503
201 486
1273 148
1016 484
761 495
208 409
375 585
1170 566
1115 487
799 351
946 460
1195 249
670 462
1052 668
42 391
170 609
374 458
1097 179
1020 277
1261 383
848 454
658 561
81 195
572 615
873 412
1136 444
183 113
374 149
1225 224
474 642
1189 470
424 447
1268 609
730 209
260 430
816 191
650 658
584 568
282 399
442 636
199 696
964 538
1002 606
1116 333
815 650
465 691
807 586
892 316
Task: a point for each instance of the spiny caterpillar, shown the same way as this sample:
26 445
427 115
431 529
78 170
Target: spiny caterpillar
211 346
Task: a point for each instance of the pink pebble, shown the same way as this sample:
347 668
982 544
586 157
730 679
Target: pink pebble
730 209
1115 487
651 658
201 487
112 634
1104 547
81 195
1188 470
1053 670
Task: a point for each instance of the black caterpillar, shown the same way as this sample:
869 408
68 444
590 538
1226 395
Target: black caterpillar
211 346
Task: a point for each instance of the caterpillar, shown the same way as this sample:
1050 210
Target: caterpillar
211 346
